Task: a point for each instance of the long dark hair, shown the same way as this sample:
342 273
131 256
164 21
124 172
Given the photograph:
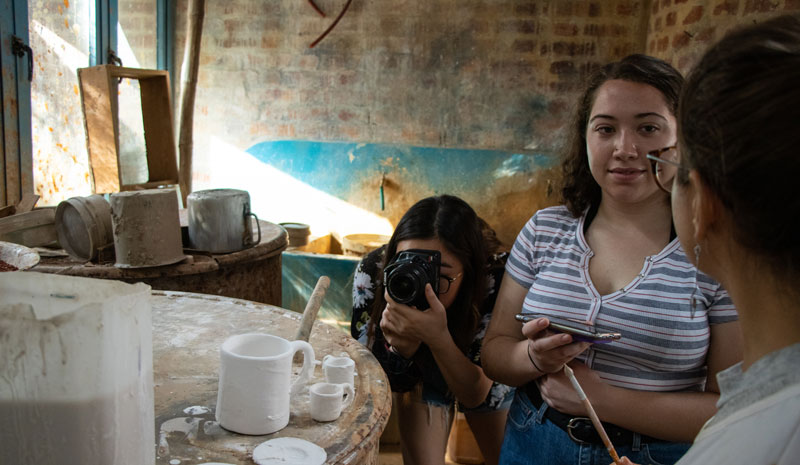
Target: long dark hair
579 190
738 121
453 222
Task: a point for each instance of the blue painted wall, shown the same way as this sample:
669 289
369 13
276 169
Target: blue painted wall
504 187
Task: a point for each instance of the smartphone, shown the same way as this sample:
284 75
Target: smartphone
579 330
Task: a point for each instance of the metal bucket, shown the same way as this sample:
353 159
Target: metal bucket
147 229
219 220
83 225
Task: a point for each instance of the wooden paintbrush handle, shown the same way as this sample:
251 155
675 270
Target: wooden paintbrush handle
312 308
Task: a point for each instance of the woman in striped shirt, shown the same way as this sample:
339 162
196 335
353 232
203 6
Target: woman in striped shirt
610 257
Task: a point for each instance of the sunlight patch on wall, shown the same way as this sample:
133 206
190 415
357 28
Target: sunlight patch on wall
278 197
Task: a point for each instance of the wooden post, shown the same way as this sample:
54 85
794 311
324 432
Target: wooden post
191 60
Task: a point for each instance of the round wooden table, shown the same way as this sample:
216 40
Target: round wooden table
251 274
188 330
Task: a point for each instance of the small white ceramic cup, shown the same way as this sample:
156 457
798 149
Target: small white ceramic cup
339 369
328 400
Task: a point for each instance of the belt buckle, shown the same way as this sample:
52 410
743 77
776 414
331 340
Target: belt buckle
573 423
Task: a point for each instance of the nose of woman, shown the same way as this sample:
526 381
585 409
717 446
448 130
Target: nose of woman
625 147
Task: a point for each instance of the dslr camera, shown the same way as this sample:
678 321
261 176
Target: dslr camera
408 272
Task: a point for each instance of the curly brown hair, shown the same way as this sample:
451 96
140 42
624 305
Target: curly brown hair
579 190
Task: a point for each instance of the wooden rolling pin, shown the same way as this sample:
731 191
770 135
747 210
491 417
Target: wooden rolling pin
312 308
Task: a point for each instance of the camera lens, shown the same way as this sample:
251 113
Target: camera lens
403 288
406 282
408 273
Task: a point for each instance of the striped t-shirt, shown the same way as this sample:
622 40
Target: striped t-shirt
663 348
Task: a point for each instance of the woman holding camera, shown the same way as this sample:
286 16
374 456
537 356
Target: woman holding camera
443 273
610 257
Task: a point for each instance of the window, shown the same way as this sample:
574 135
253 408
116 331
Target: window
50 158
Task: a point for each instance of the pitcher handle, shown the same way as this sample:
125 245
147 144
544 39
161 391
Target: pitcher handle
308 365
349 394
250 241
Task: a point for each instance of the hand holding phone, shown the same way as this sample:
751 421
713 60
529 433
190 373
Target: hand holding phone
580 331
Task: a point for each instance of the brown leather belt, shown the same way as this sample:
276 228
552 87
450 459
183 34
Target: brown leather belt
580 429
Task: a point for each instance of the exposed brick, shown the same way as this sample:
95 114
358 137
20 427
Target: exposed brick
523 46
572 49
526 9
729 7
694 16
706 35
347 79
562 68
564 29
527 27
792 5
663 43
345 115
627 9
564 8
605 30
672 18
759 6
680 40
479 26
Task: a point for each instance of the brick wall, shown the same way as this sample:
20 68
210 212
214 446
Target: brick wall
680 30
452 73
469 74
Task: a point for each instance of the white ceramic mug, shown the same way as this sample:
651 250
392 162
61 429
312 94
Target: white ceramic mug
329 399
254 382
219 220
339 369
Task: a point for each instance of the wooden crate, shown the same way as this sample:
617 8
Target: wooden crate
100 106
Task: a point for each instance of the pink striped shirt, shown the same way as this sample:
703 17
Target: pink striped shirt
663 348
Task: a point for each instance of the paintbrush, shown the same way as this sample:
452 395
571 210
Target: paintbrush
595 420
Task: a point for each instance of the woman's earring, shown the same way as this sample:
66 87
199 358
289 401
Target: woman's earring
693 299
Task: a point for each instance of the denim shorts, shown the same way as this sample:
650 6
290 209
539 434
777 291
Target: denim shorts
532 439
499 398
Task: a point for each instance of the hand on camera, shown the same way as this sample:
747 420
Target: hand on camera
407 322
550 351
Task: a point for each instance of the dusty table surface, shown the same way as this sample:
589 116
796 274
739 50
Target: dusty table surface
188 330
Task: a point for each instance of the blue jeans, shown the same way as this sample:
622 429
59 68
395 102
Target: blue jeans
532 439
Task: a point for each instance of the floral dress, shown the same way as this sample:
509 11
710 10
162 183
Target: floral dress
404 374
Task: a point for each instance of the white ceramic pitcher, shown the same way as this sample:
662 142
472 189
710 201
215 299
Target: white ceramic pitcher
254 382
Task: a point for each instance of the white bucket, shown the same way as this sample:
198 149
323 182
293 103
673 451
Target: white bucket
76 371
